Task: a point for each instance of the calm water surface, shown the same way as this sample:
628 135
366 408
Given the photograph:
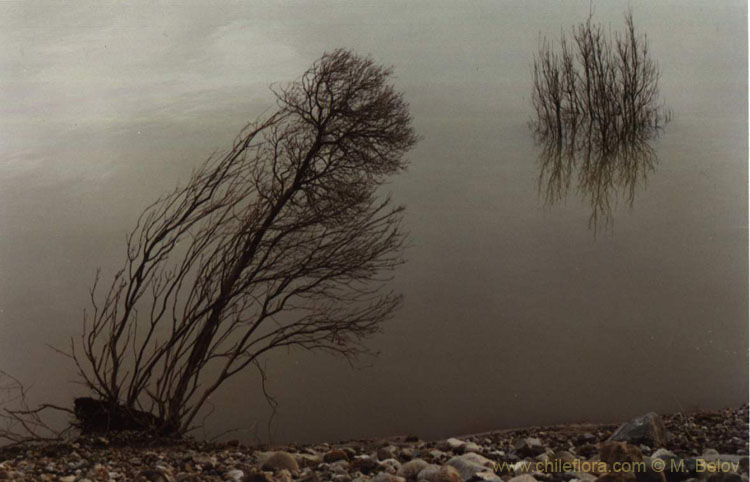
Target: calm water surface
516 312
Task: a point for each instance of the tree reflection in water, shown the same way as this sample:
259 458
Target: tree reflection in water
602 170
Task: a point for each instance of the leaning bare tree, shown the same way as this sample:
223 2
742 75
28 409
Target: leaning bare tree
284 241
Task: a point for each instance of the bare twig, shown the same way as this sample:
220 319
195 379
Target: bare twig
22 423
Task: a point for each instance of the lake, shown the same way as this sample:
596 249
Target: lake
516 312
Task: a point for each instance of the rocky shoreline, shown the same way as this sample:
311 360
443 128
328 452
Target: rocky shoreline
710 446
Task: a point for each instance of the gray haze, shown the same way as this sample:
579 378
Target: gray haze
515 313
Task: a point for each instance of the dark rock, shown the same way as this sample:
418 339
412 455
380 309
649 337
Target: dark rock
98 416
56 450
744 464
612 452
587 450
334 455
366 464
586 438
650 475
648 429
257 477
529 447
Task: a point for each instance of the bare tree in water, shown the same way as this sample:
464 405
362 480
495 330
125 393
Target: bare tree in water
601 176
596 100
283 241
606 82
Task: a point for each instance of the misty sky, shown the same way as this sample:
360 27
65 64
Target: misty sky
515 313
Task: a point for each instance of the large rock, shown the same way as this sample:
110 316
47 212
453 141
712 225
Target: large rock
529 447
281 461
647 429
98 416
411 469
465 467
